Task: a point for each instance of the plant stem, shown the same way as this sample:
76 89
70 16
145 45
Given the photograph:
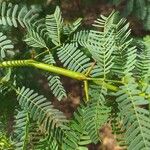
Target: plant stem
57 70
62 71
102 79
41 54
43 66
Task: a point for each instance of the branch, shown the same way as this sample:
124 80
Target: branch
57 70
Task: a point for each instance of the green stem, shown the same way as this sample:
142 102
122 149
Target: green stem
41 54
107 85
57 70
101 81
43 66
64 72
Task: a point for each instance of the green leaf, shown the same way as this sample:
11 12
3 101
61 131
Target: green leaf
33 39
5 46
135 117
42 111
12 15
72 27
81 138
73 58
54 25
95 116
21 133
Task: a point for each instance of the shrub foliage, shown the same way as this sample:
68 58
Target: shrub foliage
113 67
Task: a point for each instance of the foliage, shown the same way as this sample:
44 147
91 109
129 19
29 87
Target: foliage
139 8
4 142
115 71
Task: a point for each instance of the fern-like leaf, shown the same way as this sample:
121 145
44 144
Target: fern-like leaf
101 44
54 25
77 125
105 23
37 34
101 48
33 39
56 86
124 54
131 60
95 116
143 61
117 126
98 93
38 139
12 15
21 132
53 122
81 37
5 46
42 111
121 56
135 116
122 46
45 144
71 27
73 58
